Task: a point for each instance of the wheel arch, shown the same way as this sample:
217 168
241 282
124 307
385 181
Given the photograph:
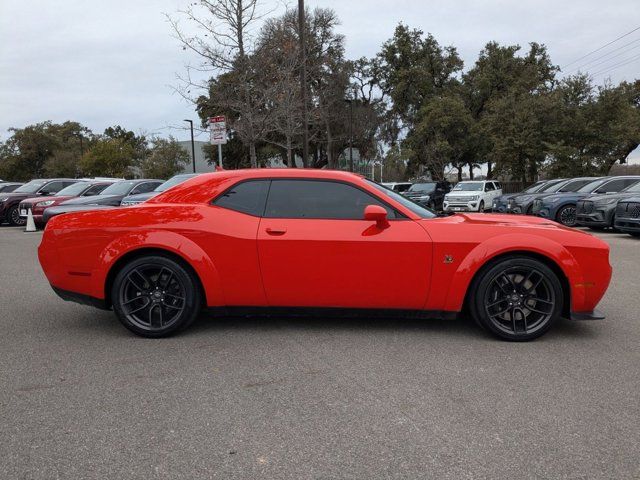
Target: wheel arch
547 261
551 253
169 244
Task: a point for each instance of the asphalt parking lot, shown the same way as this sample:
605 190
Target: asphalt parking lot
81 397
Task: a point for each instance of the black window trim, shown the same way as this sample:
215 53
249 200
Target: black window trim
403 217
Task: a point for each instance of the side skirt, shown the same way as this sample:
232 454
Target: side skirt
334 312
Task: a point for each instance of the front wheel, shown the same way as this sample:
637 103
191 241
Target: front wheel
155 296
14 217
567 216
481 206
516 298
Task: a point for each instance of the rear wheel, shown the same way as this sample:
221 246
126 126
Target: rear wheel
155 296
14 218
516 298
567 216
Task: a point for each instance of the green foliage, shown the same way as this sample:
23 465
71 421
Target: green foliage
111 157
166 158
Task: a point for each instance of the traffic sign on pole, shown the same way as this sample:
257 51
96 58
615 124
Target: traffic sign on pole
218 130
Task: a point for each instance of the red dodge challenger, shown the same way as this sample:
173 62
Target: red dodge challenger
325 241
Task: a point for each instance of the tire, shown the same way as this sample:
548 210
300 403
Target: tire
567 216
14 218
516 298
481 206
156 296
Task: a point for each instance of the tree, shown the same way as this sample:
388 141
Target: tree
166 158
109 157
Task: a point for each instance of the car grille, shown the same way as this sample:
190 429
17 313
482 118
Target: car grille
628 210
585 207
458 199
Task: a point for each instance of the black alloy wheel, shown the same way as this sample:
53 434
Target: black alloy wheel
14 217
567 216
155 296
518 298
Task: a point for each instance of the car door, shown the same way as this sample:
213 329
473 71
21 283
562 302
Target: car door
316 249
488 194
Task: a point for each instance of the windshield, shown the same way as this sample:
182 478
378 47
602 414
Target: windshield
469 187
534 188
73 190
119 188
32 187
633 188
422 187
404 201
552 186
172 182
589 186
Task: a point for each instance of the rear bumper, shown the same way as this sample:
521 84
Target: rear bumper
594 315
75 297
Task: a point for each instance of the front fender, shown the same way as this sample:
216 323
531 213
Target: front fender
164 240
515 243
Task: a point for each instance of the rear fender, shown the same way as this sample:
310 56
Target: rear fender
516 243
172 242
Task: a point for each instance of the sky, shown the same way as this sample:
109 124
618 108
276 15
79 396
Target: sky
115 62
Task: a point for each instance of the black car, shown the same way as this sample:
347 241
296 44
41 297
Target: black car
599 211
110 197
428 194
628 216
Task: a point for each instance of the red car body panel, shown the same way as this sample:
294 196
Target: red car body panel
244 260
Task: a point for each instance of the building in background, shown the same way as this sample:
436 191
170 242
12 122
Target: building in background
202 166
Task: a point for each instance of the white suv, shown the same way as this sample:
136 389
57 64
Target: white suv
472 196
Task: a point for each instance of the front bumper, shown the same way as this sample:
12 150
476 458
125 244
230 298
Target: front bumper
457 206
598 218
628 225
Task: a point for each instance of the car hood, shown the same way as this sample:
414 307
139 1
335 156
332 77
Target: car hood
34 200
569 196
95 200
615 196
529 196
463 193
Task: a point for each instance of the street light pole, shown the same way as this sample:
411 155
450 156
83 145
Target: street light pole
303 83
193 148
350 102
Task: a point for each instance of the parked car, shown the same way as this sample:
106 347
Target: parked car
598 211
523 204
627 218
472 196
137 198
110 197
9 202
561 207
8 187
500 204
267 238
398 186
38 205
429 194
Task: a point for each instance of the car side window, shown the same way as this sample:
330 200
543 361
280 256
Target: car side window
94 190
246 197
488 187
54 187
320 200
613 186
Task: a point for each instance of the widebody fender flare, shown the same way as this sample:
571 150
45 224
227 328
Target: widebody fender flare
512 243
169 241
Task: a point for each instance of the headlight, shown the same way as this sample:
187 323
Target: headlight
607 201
473 197
424 197
45 204
4 199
